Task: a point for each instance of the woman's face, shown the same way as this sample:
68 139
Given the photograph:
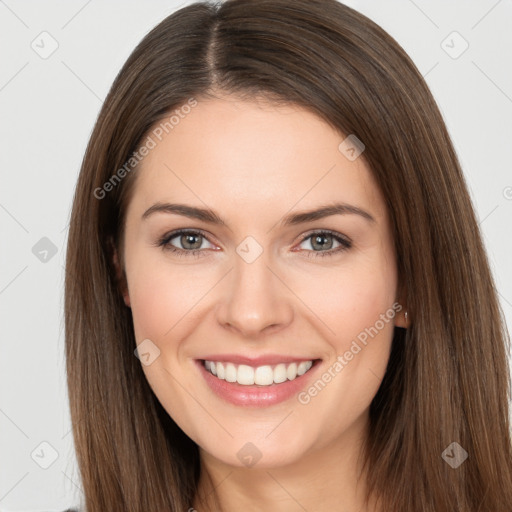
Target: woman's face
265 289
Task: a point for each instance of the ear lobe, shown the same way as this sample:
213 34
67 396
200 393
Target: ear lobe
120 274
402 317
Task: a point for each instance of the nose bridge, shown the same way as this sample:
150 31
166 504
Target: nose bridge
256 299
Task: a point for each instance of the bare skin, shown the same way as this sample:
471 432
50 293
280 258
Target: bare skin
253 164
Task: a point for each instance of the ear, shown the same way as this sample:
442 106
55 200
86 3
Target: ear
120 274
401 319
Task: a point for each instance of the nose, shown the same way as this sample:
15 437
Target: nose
256 300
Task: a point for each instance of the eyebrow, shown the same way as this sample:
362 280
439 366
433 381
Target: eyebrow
210 216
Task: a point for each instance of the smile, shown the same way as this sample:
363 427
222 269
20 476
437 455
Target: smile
266 375
260 382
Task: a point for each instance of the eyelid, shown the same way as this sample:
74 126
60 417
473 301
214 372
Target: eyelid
344 241
167 237
164 241
334 234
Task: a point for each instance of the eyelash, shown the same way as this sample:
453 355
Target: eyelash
164 242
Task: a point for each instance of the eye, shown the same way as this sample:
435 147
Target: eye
324 240
191 242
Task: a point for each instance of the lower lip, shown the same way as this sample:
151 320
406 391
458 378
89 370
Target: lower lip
256 396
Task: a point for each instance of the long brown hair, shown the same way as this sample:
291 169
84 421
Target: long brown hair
447 379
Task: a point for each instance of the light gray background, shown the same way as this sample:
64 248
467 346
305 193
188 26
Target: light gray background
48 107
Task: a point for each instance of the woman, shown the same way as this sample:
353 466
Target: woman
331 339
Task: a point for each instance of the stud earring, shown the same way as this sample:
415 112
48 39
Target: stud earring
405 318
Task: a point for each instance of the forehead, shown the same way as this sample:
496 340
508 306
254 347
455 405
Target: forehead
248 157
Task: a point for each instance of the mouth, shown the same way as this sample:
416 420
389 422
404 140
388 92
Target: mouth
265 375
257 385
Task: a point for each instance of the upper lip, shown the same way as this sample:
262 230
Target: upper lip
262 360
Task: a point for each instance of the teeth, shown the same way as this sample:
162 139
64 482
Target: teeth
262 375
291 371
221 372
244 375
303 367
231 372
280 373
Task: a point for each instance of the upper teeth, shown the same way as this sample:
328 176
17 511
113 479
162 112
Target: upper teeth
261 375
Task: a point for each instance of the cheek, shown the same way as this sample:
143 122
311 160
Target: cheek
357 306
349 299
163 294
363 301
